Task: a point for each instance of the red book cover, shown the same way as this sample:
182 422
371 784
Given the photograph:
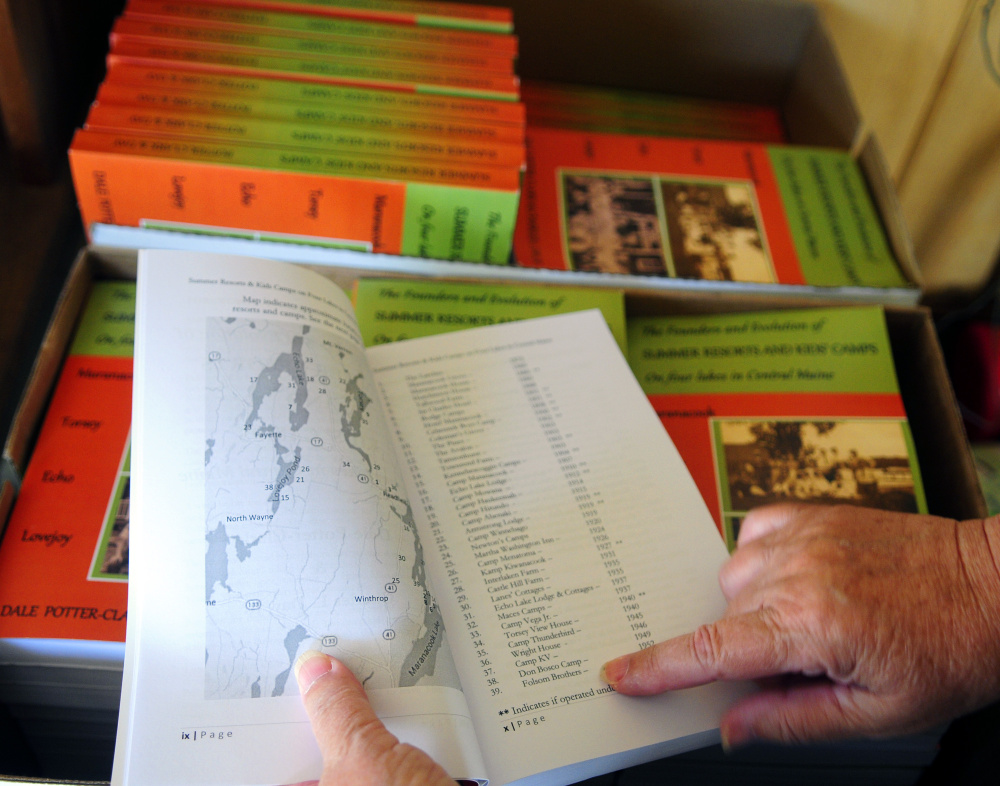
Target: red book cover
64 554
700 209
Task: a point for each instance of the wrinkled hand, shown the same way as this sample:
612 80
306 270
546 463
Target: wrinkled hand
871 623
357 748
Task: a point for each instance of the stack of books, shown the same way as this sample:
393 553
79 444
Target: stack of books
381 126
64 556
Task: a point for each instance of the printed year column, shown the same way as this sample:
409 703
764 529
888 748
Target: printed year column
588 501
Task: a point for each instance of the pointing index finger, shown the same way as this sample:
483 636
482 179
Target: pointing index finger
741 647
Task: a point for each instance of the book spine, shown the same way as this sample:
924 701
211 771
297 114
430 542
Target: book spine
436 14
203 82
362 119
346 71
589 99
243 39
690 127
454 213
591 107
231 16
313 136
347 165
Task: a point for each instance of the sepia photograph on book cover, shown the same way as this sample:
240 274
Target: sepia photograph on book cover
617 224
111 555
855 461
781 406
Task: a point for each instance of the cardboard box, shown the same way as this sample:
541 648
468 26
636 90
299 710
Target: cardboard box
770 51
950 479
766 51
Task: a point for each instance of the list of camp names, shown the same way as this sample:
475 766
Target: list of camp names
516 517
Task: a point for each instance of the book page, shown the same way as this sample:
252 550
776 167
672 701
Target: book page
561 529
269 518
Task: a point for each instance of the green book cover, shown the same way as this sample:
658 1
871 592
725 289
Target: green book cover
396 309
821 350
835 226
107 324
781 406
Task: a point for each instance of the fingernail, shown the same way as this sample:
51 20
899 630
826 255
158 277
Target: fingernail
309 667
614 671
732 739
727 746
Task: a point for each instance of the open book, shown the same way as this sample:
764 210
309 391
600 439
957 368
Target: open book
474 522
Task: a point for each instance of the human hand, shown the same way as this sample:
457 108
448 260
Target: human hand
857 622
357 748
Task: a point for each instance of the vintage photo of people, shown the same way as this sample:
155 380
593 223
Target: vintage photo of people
649 225
715 231
111 561
612 224
855 461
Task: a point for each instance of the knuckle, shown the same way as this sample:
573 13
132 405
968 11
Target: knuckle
778 636
706 648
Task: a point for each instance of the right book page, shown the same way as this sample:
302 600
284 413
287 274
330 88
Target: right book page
781 406
560 529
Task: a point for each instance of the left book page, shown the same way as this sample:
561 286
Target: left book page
270 517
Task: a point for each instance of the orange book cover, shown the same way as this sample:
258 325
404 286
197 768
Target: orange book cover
593 202
248 39
316 97
387 205
343 71
781 406
312 24
64 555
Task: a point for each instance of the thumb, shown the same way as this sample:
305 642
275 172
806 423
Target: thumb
335 702
357 748
343 721
800 710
